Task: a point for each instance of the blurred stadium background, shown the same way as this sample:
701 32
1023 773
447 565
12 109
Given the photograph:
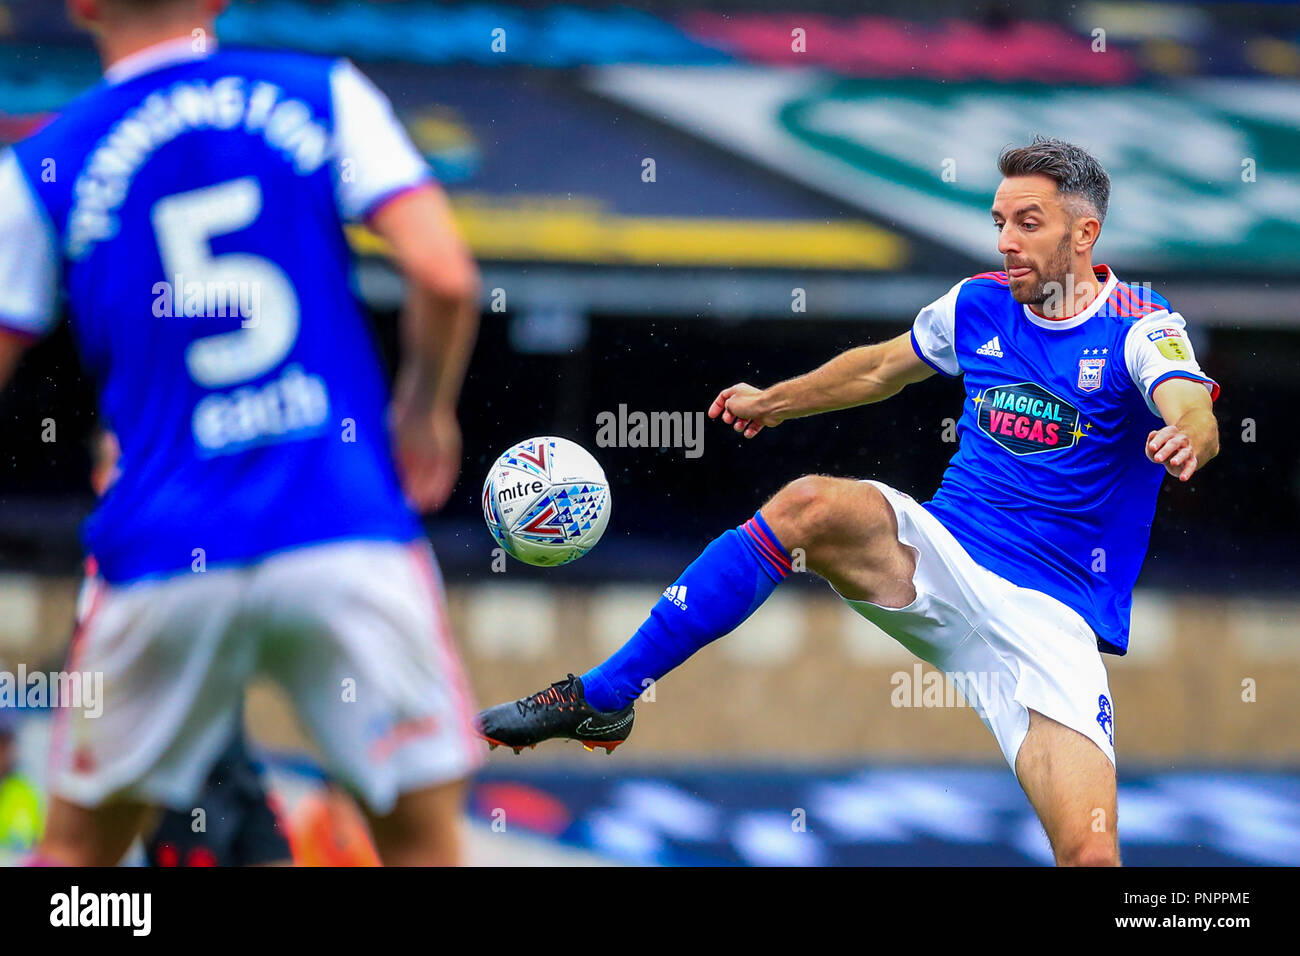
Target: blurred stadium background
666 199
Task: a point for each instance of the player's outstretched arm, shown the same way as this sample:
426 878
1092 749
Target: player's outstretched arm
1190 437
860 376
439 324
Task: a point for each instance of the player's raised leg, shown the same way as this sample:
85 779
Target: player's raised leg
848 534
843 530
1071 785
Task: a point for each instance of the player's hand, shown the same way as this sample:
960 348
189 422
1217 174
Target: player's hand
1173 449
744 408
427 446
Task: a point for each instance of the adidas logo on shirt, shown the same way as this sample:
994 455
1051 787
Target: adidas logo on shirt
677 594
991 347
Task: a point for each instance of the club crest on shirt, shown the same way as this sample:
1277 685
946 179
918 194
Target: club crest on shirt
1025 418
1090 374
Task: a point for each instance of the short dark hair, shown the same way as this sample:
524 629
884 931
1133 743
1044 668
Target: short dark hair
1075 171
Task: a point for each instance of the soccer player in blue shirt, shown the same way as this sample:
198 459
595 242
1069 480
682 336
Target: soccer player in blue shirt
190 211
1081 393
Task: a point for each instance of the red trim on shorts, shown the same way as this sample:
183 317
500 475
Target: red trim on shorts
462 696
58 727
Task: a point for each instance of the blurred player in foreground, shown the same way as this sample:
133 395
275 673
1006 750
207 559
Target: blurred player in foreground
1081 393
191 210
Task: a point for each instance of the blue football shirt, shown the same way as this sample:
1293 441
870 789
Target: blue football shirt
191 210
1051 487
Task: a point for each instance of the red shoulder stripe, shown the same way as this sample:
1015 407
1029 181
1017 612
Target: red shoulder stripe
1130 305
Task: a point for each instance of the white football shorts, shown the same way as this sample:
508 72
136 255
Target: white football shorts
1007 649
356 632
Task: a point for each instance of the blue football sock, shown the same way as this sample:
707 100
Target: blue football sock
721 588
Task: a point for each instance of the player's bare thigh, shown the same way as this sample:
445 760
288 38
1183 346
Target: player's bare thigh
1071 785
423 828
91 836
848 534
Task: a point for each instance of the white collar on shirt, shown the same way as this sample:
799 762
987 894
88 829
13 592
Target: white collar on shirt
1061 324
157 56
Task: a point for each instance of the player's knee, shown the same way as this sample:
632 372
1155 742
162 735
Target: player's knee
803 512
817 513
1095 851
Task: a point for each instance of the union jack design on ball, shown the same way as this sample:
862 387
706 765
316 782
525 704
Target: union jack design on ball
562 515
533 456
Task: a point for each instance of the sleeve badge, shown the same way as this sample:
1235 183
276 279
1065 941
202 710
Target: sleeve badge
1171 344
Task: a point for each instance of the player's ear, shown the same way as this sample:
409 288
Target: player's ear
1086 231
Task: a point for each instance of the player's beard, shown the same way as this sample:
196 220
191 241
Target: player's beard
1051 277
